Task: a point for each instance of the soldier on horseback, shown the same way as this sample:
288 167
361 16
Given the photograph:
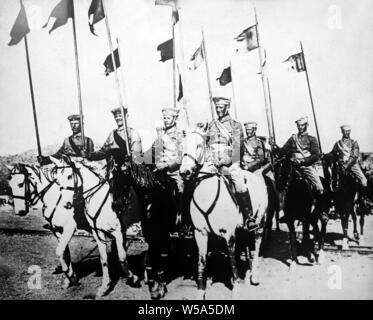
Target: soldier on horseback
304 153
115 148
346 154
224 139
167 152
72 146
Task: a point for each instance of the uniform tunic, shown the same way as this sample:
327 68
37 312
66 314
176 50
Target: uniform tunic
346 152
168 151
253 154
305 147
119 143
224 139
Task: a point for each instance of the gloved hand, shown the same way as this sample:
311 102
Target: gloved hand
161 165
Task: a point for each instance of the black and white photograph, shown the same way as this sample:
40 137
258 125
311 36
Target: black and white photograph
186 150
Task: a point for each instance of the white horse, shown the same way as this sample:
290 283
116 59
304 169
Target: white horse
214 210
30 184
100 215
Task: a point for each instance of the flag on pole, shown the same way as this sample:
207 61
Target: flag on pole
296 62
197 58
225 77
108 63
62 12
166 50
175 16
20 27
249 38
95 14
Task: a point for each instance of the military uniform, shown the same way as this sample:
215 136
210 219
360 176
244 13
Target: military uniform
73 146
346 152
224 138
254 155
115 140
168 151
305 148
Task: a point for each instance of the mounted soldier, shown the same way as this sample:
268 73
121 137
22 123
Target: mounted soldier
224 139
167 154
72 146
345 154
115 149
304 153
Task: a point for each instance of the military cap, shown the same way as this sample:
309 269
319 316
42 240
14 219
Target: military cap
345 127
302 120
170 112
221 100
73 117
118 110
250 124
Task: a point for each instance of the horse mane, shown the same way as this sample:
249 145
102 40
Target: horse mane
143 176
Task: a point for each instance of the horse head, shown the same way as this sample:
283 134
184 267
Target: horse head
22 181
66 174
194 151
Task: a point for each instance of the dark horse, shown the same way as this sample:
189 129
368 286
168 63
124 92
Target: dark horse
346 192
158 212
302 205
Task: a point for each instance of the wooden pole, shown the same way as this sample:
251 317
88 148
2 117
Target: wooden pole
32 96
270 101
78 78
173 61
233 93
122 74
309 91
208 74
263 79
126 137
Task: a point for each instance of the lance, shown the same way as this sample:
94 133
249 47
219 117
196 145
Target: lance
116 78
309 91
32 93
233 92
263 79
270 100
174 58
208 74
182 61
78 77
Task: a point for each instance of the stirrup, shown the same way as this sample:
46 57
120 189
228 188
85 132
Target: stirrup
251 225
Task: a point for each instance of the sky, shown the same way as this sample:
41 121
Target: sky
336 37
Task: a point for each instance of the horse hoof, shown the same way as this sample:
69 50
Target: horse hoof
254 281
134 282
200 294
158 291
66 284
321 259
102 291
310 259
356 235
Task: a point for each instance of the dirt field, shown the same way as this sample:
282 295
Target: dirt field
18 252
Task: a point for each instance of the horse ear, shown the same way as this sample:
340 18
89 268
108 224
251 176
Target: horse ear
10 168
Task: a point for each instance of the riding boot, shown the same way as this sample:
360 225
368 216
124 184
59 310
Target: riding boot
244 202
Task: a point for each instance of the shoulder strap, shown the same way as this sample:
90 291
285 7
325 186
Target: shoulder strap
75 148
297 144
224 131
119 141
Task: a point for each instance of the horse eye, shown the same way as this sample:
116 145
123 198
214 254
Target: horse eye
70 176
20 184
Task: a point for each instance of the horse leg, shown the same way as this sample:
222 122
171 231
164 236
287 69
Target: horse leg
307 243
255 262
344 221
133 280
64 239
201 239
231 243
293 245
354 220
363 210
105 284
